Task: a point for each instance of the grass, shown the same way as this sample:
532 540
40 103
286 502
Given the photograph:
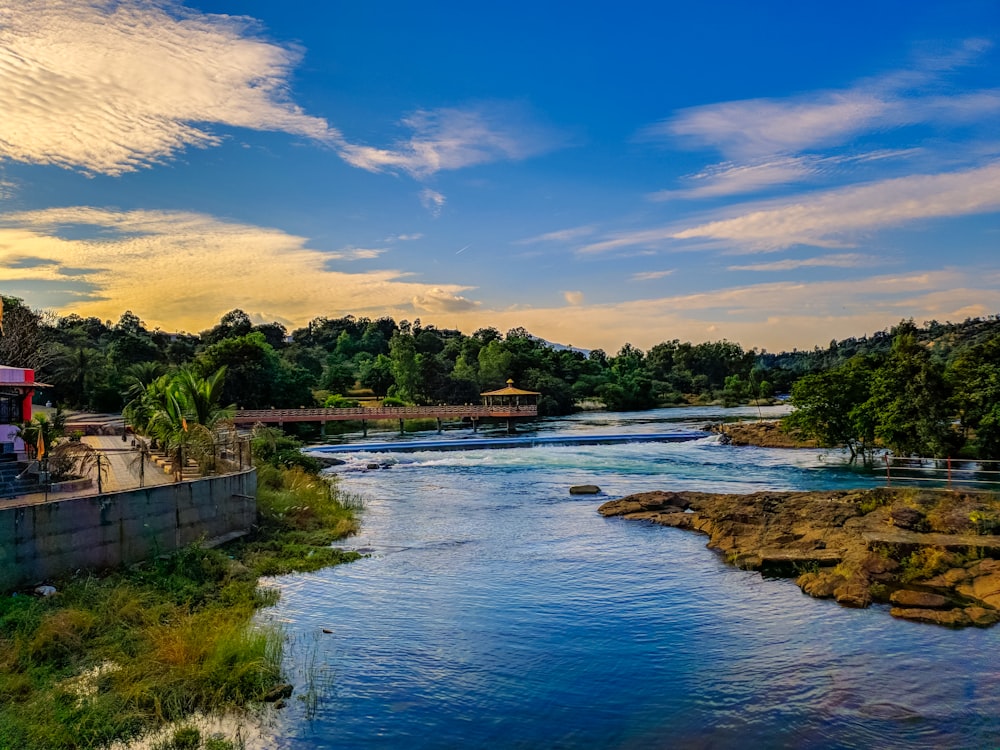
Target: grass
110 658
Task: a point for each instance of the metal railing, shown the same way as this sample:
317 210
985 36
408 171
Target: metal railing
949 472
251 416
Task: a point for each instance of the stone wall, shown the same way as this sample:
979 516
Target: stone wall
40 542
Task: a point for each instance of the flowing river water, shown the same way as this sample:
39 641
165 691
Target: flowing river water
497 610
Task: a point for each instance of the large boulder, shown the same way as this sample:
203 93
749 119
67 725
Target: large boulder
952 618
919 599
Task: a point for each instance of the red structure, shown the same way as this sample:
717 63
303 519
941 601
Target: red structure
17 385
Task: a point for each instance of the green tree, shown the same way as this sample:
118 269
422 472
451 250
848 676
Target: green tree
833 407
494 365
405 367
252 368
911 402
975 379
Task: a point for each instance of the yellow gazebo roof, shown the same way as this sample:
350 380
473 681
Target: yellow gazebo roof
510 390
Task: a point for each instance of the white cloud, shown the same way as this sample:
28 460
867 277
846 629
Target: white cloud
832 218
774 316
112 87
843 260
777 141
574 298
355 253
651 275
757 128
433 201
437 300
456 137
729 178
183 270
560 235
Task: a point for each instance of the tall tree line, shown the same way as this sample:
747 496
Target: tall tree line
932 389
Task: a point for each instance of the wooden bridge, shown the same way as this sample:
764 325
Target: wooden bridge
473 413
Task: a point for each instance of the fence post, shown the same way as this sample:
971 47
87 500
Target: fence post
949 472
888 476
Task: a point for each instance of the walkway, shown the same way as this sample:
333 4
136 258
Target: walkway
121 474
362 414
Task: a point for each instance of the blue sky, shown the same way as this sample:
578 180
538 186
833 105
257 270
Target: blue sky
777 174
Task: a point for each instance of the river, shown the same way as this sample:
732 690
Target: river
497 610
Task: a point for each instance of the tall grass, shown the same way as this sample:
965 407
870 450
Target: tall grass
110 658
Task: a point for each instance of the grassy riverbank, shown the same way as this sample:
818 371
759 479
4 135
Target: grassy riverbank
113 657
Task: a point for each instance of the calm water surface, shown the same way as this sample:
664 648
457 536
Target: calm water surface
496 610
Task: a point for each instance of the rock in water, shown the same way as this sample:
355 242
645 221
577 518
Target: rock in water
584 489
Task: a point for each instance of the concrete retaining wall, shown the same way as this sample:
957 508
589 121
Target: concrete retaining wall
39 542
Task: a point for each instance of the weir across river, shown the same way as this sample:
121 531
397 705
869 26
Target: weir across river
525 441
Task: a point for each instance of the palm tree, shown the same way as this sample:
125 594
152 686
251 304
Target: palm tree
40 427
138 378
182 412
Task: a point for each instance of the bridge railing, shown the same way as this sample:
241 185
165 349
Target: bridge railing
950 472
249 416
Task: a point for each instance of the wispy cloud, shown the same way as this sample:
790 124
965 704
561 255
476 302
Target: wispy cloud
772 315
731 179
110 87
779 141
455 138
651 275
574 297
433 201
167 266
355 253
832 218
560 235
843 260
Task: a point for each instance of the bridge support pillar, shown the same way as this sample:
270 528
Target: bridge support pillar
322 429
475 425
439 425
401 431
364 428
511 429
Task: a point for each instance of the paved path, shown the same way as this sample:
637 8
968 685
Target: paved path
123 472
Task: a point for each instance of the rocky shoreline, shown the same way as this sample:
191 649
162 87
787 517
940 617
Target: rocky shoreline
769 433
934 555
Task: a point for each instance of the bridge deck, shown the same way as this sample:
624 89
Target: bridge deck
280 416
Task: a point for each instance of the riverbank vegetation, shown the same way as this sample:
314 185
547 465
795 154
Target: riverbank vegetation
931 389
112 657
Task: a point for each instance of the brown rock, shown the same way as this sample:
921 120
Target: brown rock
876 565
819 585
904 517
947 580
584 489
677 520
917 599
853 594
986 588
953 618
982 618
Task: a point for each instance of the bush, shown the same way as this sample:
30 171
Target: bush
336 401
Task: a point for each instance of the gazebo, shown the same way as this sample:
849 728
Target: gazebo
510 398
